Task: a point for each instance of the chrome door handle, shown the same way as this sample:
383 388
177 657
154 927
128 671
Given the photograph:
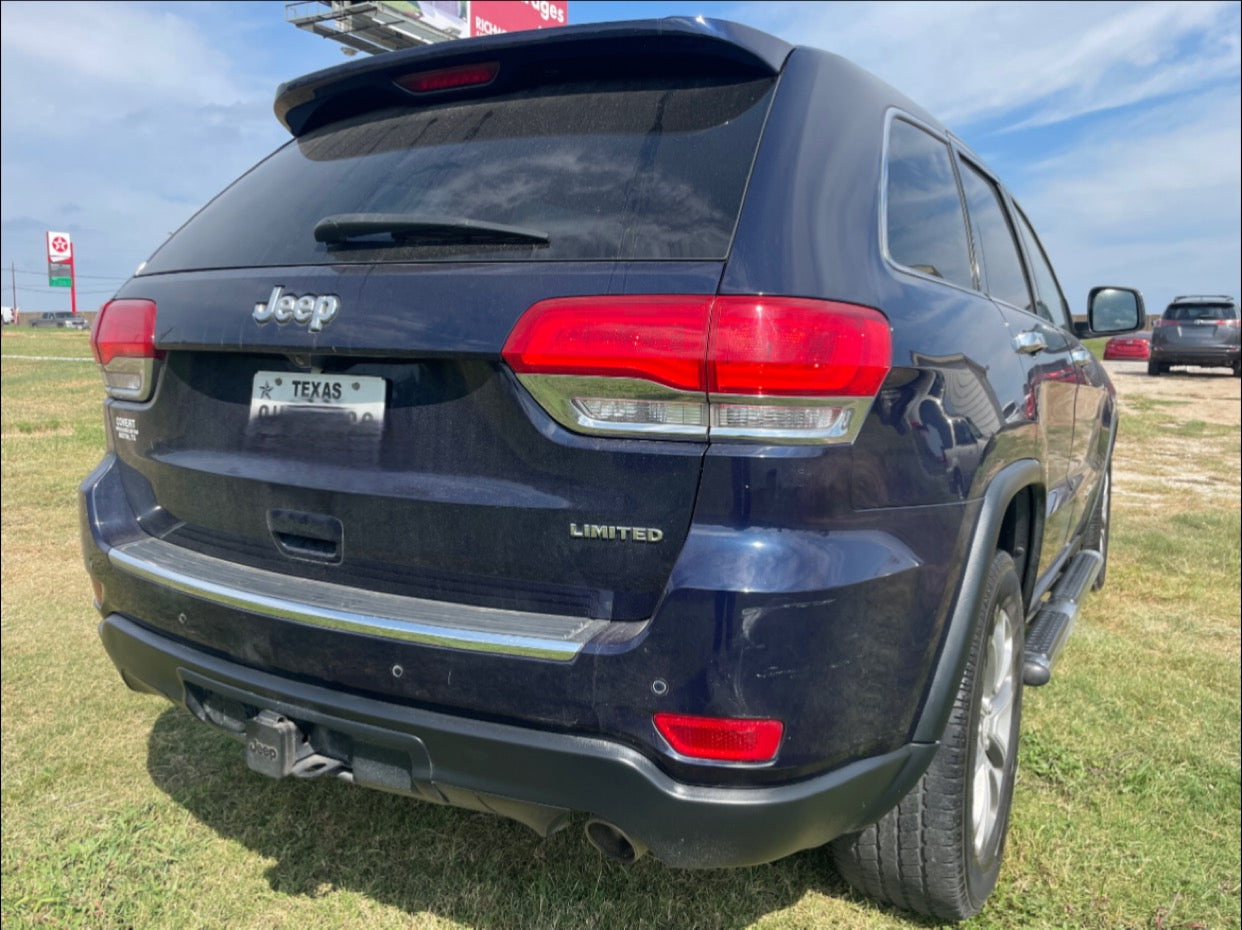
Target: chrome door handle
1080 356
1029 342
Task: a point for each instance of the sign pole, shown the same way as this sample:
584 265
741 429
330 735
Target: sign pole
73 287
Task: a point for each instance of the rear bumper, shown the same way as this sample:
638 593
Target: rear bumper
1204 356
535 776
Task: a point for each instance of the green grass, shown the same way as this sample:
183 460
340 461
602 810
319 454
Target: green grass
120 812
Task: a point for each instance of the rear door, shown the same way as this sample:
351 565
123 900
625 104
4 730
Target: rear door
1089 446
1046 349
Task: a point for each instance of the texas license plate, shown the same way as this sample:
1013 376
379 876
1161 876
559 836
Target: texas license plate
355 398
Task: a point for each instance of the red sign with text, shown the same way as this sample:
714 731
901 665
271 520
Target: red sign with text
489 17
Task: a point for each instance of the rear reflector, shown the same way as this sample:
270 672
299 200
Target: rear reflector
450 78
123 342
775 369
721 739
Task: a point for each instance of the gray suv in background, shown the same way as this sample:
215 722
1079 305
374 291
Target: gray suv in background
1199 330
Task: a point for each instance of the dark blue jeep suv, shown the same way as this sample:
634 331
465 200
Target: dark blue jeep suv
651 424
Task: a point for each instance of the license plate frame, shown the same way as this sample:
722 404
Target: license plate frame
361 399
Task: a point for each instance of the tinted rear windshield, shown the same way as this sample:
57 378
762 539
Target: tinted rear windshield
607 170
1201 312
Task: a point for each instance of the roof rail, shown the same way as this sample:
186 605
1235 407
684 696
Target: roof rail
1203 297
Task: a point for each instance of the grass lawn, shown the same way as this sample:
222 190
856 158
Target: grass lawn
119 811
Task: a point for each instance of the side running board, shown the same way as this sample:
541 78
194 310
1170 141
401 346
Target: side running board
1051 626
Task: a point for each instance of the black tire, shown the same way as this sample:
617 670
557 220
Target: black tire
939 851
1237 368
1154 368
1096 536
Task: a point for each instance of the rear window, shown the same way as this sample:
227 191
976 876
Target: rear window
611 169
1201 312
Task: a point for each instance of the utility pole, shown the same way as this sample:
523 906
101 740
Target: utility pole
13 281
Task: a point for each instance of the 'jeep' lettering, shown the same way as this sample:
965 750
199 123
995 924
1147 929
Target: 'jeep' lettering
310 310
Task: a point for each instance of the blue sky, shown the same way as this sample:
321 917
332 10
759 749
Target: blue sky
1116 125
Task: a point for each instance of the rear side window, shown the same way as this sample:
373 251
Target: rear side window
1201 312
1000 264
925 225
1049 301
607 169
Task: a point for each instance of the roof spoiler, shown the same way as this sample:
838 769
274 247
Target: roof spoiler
368 83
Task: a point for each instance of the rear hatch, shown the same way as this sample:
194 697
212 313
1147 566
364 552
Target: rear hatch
332 401
1198 325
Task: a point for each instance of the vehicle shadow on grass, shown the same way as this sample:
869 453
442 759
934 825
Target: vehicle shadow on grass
477 869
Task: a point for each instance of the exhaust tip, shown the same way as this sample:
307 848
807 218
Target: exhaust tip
613 843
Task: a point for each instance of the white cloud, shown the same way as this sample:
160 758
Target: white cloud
120 120
80 65
967 62
1152 200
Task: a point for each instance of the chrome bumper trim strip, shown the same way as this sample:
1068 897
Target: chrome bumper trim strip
353 610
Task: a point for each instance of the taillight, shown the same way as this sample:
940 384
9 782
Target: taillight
721 739
772 369
123 342
1231 324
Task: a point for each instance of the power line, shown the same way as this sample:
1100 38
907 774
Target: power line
83 277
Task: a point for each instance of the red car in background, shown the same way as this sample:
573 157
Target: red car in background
1129 346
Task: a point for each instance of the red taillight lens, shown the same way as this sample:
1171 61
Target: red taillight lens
125 329
721 739
123 341
775 369
797 348
450 78
659 339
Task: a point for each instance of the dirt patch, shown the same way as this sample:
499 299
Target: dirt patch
1210 395
1196 451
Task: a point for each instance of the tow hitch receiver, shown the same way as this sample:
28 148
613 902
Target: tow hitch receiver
272 743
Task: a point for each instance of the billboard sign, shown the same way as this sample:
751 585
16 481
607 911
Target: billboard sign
59 259
450 16
489 17
390 25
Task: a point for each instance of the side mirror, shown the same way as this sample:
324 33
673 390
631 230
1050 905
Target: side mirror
1112 310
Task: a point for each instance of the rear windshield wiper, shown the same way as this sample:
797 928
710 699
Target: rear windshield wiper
427 227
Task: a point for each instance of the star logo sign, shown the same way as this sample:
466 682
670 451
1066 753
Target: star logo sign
265 391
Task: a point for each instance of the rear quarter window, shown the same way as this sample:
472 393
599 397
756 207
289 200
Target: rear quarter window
924 222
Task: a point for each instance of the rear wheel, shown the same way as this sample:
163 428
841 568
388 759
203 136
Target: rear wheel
1154 367
939 851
